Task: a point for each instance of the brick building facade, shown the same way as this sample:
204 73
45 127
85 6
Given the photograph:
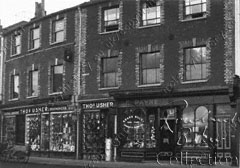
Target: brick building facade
38 83
156 78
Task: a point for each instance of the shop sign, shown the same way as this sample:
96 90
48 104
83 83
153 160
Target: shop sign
133 122
97 105
42 109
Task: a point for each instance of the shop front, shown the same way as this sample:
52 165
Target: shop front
97 125
174 128
49 130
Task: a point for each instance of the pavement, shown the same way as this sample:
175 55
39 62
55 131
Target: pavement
112 164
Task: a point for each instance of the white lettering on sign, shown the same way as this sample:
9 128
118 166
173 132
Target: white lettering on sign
97 105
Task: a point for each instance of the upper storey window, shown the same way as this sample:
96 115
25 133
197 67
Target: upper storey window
151 12
58 30
16 44
195 8
35 38
195 63
111 19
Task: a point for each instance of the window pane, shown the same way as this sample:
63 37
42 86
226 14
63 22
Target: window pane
187 10
196 9
36 43
188 56
188 72
16 86
204 7
59 25
60 36
204 71
36 33
34 83
57 78
151 13
196 55
18 40
110 64
195 2
110 79
196 72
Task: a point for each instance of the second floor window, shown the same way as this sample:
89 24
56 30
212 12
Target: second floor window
33 83
151 12
195 8
150 68
111 19
109 72
58 31
35 38
195 63
57 78
16 44
14 92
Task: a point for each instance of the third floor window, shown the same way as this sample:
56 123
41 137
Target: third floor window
58 31
111 19
16 44
151 12
35 38
195 8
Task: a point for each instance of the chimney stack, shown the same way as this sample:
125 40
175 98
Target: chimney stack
40 9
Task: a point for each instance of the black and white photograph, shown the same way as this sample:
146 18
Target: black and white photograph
119 83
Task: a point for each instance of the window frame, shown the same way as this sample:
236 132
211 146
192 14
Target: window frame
104 81
146 13
194 64
33 40
14 44
13 87
30 83
194 15
56 32
117 19
53 89
156 68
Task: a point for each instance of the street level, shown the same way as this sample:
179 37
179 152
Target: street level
35 162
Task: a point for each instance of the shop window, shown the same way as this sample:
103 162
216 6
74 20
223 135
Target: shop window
35 38
150 68
151 12
57 78
94 124
195 8
195 127
223 133
62 133
33 131
109 72
16 44
111 19
20 129
14 92
133 124
58 30
33 83
195 64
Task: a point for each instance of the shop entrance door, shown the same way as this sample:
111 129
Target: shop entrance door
166 133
